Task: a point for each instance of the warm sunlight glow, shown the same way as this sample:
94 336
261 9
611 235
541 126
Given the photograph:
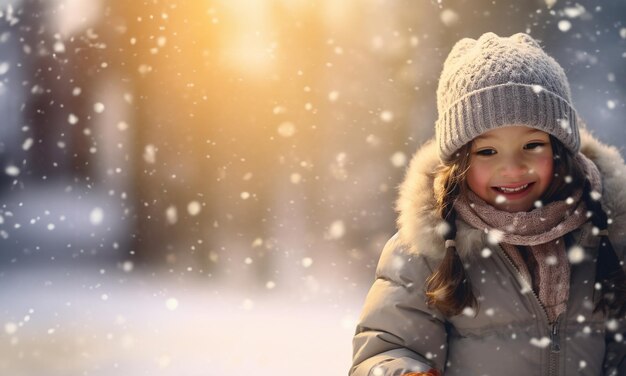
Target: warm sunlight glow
74 15
248 46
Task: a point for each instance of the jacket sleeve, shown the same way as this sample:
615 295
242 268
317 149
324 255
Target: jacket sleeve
615 355
397 333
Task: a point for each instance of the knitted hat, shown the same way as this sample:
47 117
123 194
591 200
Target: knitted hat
493 82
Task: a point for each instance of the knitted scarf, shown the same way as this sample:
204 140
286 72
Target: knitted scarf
533 240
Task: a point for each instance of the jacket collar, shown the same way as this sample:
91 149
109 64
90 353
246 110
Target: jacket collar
421 230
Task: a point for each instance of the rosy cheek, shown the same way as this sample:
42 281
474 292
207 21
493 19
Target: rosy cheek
546 166
477 180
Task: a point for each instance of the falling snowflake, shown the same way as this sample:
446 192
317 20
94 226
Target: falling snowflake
551 260
595 195
576 254
550 3
495 236
171 214
565 125
542 342
442 228
611 104
144 69
372 140
612 325
12 171
59 47
286 129
98 107
449 17
149 154
128 266
386 116
279 110
469 312
96 216
397 262
295 178
337 230
574 11
398 159
193 208
171 304
10 328
564 25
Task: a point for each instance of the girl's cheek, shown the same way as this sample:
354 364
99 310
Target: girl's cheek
546 168
478 178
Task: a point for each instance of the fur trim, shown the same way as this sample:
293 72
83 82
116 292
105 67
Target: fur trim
422 230
613 171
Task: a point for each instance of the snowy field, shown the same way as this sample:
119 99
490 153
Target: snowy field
96 322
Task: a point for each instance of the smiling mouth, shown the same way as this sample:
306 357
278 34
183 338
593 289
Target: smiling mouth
514 189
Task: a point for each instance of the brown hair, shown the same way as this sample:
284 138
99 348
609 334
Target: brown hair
568 175
448 288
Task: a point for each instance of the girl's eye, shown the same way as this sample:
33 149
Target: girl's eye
534 145
485 152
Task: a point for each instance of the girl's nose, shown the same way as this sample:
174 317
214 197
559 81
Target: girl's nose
513 167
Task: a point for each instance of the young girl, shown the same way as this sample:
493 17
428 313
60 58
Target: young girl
512 230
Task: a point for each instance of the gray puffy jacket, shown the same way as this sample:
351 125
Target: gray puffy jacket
509 334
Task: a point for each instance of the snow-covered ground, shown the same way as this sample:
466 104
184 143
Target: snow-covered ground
92 321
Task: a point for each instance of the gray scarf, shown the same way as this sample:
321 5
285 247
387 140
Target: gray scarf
533 240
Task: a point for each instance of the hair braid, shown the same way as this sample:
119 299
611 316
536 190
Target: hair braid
449 289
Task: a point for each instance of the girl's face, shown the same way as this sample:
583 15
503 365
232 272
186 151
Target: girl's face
511 167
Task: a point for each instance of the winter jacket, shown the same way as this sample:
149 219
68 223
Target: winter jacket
509 333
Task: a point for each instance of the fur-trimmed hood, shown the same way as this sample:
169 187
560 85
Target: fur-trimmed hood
421 229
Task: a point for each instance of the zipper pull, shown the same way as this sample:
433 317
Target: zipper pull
554 337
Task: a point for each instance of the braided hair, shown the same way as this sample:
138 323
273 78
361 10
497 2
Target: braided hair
448 288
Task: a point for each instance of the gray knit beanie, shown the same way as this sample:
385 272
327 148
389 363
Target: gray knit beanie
493 82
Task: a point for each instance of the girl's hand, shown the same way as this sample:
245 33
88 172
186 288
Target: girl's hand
430 372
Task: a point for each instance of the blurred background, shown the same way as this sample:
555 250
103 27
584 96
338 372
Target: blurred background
203 187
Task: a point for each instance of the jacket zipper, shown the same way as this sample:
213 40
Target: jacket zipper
555 340
555 347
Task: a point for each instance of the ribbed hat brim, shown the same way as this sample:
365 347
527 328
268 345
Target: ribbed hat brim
507 104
